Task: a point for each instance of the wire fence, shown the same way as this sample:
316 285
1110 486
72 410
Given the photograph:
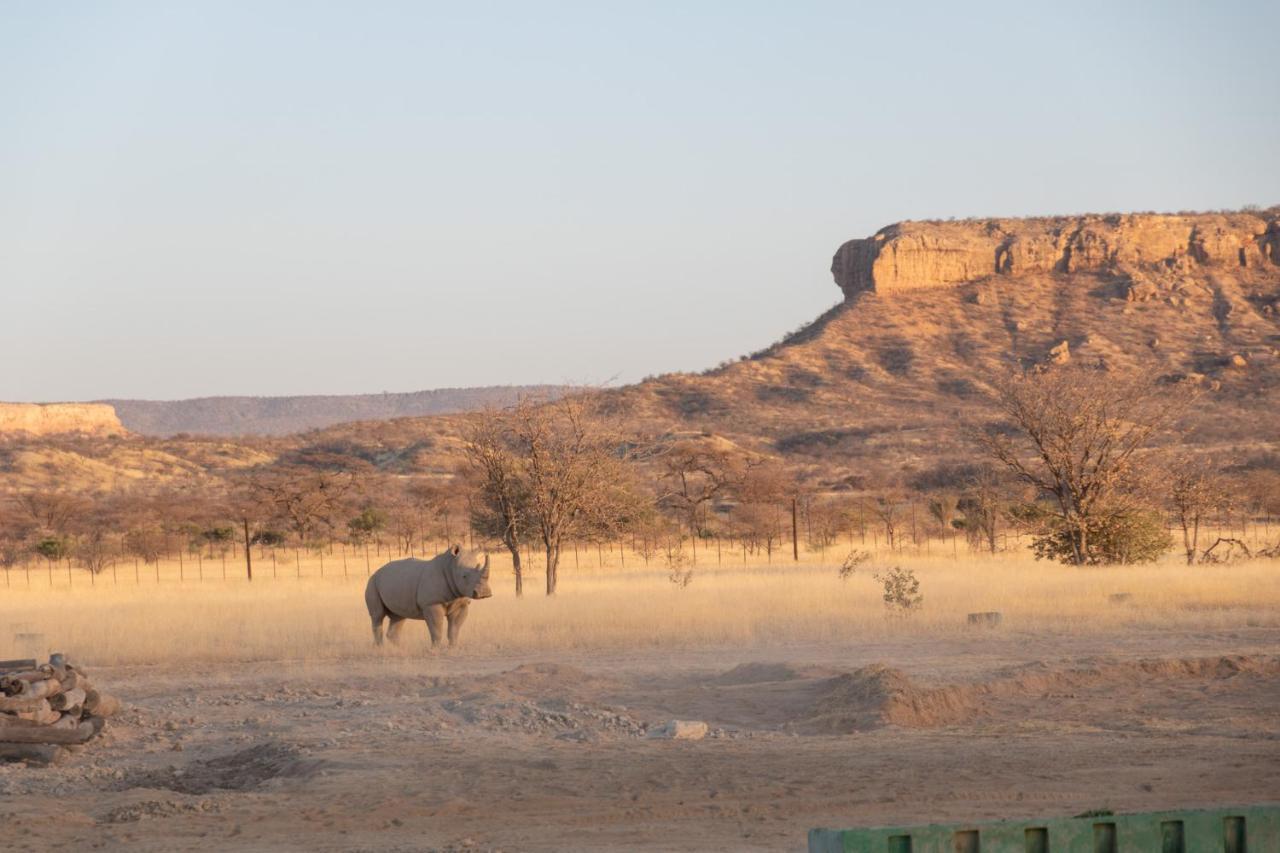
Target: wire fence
340 561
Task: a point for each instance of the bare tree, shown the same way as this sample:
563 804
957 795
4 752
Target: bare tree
1195 491
945 509
759 516
1077 436
16 531
981 508
575 480
309 502
694 474
501 499
888 508
52 511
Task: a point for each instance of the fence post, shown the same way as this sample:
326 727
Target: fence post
795 539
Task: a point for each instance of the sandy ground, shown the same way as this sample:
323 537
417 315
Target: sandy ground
464 751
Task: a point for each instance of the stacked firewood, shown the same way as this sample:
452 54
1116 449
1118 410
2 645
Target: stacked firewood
48 704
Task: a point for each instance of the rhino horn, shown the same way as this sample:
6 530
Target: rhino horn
486 565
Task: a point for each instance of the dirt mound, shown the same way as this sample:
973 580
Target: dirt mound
1040 677
547 699
576 721
243 770
878 695
148 809
538 678
763 673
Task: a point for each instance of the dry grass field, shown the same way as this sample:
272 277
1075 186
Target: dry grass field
260 716
292 612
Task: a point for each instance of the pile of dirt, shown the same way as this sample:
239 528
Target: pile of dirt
813 700
877 695
537 680
542 699
148 809
764 673
1040 678
243 770
547 718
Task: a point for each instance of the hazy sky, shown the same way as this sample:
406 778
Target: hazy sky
282 198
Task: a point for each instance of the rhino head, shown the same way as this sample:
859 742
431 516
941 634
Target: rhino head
471 572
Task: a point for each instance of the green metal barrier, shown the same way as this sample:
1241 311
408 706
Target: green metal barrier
1252 829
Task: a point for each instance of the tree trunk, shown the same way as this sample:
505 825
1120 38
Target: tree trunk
517 568
248 557
553 563
795 541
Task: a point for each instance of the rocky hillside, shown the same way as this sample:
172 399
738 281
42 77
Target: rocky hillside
912 255
933 313
47 419
285 415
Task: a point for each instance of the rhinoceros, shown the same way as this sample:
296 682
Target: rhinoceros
436 590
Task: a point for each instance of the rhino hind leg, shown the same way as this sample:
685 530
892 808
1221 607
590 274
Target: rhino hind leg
393 628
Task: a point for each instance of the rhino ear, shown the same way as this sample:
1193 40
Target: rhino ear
455 549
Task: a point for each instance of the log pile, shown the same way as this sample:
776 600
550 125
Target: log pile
49 705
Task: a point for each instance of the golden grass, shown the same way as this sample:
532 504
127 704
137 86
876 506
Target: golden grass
610 607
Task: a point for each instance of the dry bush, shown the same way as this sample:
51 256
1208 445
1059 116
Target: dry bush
901 589
851 562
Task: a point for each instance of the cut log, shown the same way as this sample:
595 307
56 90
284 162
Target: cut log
41 689
32 753
70 679
17 664
41 715
66 721
82 733
101 704
14 704
15 720
67 699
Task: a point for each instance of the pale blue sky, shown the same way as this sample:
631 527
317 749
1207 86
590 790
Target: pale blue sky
281 198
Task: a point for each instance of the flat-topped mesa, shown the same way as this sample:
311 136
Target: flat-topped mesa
911 255
37 419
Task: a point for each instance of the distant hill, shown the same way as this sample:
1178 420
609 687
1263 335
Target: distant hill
870 392
231 416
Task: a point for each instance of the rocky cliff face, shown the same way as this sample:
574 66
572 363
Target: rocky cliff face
39 419
911 255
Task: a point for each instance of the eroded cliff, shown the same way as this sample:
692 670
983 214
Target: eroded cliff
911 255
39 419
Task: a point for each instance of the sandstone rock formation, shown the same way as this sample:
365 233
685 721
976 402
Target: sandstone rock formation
39 419
911 255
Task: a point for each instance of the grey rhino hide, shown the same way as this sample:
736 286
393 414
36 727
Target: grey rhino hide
438 591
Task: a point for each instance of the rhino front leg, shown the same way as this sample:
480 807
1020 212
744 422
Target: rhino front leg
435 623
456 618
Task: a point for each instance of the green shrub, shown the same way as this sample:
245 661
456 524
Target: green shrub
1123 537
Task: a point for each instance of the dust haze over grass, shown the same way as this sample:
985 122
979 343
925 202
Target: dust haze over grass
118 620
